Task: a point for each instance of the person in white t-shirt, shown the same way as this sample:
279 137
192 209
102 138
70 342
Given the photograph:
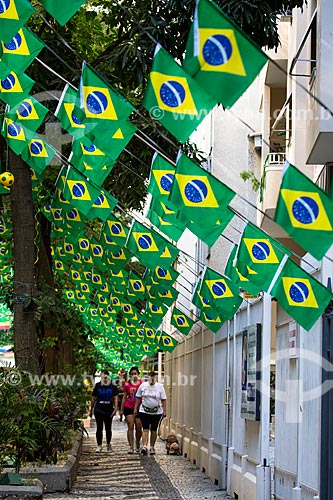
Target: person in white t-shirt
151 402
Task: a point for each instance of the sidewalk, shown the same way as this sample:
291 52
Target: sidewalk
119 476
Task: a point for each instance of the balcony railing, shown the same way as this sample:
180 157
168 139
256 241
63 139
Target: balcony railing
275 159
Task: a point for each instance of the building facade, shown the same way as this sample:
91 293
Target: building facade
269 442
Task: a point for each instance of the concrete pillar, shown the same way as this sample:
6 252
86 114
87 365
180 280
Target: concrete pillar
244 470
210 453
263 475
224 457
297 493
183 436
231 461
199 461
190 438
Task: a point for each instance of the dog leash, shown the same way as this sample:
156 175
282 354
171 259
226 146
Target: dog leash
159 429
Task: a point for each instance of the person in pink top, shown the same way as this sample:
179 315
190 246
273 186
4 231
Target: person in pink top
127 409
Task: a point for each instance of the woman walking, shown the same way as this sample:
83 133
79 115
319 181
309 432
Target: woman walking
152 400
104 404
127 409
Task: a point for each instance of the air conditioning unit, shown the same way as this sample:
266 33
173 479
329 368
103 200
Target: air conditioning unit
257 139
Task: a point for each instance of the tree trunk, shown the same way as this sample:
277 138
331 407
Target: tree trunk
25 332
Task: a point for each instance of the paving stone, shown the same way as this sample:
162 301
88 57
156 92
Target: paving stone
117 475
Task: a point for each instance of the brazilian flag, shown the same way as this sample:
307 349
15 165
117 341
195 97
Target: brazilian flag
259 256
197 194
38 154
28 113
236 277
299 294
115 230
222 293
15 88
13 15
100 102
213 323
219 56
305 212
69 113
166 227
167 342
173 98
162 175
181 321
15 135
21 50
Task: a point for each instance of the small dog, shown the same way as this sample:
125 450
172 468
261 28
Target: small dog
172 445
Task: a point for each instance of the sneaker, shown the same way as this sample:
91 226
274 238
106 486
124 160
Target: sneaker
98 449
137 449
109 447
152 450
130 451
144 450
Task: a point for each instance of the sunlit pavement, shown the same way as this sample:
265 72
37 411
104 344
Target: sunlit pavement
118 475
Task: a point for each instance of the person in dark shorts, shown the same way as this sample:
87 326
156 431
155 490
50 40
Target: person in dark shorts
104 404
122 382
127 409
152 400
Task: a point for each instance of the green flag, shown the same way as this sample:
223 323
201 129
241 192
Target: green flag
167 228
181 321
62 12
305 212
94 173
118 258
29 113
219 56
166 296
198 194
102 206
203 303
222 293
15 135
69 113
299 294
210 233
162 174
145 244
15 88
13 15
155 313
78 190
116 230
164 276
174 98
213 323
84 151
21 50
99 102
166 342
260 253
236 277
112 137
136 286
38 153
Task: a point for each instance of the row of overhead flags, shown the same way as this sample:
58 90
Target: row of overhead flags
126 309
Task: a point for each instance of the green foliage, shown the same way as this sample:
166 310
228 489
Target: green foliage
37 420
249 175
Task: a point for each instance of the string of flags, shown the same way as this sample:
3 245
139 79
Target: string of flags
126 307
